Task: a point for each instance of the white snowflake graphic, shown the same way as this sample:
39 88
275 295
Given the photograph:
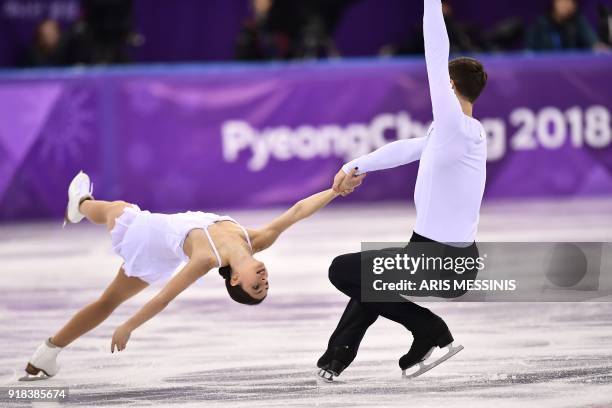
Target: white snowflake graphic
68 128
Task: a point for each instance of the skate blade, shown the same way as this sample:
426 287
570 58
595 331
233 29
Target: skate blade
325 376
38 377
423 368
34 374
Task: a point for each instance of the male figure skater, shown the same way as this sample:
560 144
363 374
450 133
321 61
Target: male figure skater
449 189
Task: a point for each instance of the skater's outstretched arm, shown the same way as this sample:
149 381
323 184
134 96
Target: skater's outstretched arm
197 267
447 112
391 155
266 236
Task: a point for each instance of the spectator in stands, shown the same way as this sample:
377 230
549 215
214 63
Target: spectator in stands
605 24
102 35
46 49
256 41
462 39
289 29
563 28
507 34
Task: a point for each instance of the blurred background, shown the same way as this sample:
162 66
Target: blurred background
69 32
164 102
244 107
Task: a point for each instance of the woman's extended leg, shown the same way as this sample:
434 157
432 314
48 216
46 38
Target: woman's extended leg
103 212
120 289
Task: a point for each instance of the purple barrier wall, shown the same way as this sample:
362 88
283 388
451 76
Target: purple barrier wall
208 137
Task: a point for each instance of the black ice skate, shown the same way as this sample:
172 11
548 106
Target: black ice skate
334 361
420 351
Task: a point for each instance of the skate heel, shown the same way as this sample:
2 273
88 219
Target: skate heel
335 361
333 369
444 340
336 367
34 374
325 375
30 369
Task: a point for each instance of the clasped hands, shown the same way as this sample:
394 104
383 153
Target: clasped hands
345 184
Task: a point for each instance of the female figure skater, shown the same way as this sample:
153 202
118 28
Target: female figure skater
154 245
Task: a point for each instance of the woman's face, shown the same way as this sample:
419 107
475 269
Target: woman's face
564 9
253 278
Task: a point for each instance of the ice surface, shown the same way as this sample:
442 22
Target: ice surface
203 350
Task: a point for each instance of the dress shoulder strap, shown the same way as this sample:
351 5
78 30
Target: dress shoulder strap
212 244
246 234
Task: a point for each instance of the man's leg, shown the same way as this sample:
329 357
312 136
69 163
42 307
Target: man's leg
345 340
353 324
121 289
345 274
355 321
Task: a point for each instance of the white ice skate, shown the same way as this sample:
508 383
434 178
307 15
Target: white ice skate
80 189
424 367
43 363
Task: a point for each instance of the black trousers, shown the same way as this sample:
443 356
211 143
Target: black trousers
345 275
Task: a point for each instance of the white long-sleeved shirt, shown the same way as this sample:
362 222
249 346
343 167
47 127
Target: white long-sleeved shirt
452 169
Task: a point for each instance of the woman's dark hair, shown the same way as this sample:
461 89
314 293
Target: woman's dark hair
236 292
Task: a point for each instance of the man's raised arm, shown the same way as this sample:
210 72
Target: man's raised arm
447 111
